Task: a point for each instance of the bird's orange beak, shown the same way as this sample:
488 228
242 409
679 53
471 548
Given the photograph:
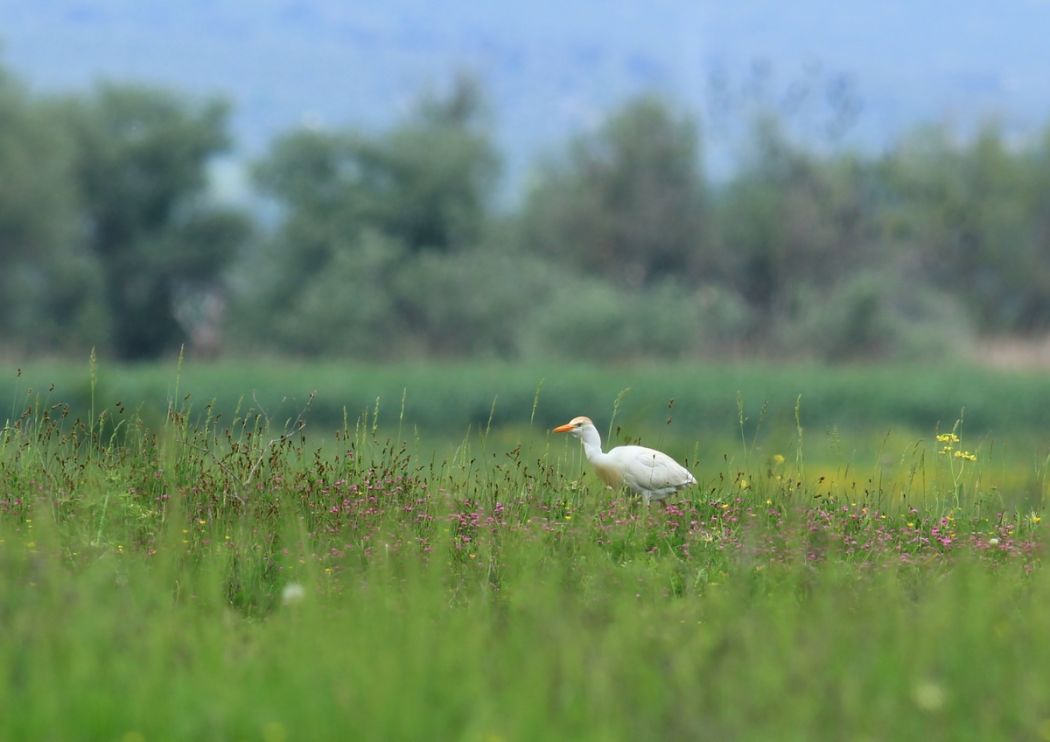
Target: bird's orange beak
563 428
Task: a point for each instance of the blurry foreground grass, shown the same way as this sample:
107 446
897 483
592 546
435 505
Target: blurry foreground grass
232 579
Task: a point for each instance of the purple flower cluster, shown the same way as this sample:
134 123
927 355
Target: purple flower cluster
740 528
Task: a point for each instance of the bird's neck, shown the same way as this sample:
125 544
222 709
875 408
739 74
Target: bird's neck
592 445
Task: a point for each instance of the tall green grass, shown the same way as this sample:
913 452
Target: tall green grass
184 575
446 398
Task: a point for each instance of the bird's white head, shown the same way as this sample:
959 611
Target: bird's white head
576 427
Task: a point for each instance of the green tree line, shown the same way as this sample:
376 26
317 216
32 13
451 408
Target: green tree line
391 244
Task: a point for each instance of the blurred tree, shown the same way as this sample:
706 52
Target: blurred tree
875 314
48 285
429 180
140 165
426 182
422 186
1034 313
788 220
976 215
627 202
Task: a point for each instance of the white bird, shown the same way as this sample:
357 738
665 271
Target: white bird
652 474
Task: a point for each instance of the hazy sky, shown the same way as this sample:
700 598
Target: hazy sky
555 67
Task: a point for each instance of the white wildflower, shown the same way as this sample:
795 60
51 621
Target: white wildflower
929 696
293 593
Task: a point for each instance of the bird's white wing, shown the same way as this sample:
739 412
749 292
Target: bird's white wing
651 473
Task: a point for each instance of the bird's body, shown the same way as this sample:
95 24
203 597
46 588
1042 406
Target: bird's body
650 473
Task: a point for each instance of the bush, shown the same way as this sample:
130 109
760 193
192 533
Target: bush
348 308
725 319
472 302
877 315
588 319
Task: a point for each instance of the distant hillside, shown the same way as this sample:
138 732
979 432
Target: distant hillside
554 67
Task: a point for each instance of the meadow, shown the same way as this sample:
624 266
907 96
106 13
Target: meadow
265 551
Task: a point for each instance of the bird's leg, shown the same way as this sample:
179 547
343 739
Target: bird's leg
632 498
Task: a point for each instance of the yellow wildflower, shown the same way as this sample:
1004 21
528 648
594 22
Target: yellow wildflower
778 459
947 438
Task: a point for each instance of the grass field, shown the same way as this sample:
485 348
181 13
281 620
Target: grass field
446 398
171 572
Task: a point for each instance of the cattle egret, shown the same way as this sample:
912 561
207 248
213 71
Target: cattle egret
649 473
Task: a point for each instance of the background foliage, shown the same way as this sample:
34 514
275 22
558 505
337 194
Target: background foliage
389 243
